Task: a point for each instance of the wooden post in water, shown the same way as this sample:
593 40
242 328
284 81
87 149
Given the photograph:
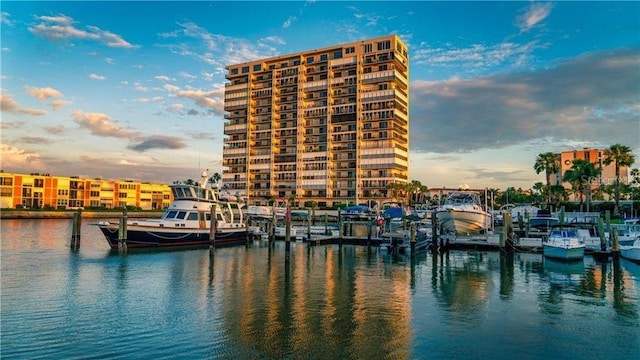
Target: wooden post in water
326 224
309 215
246 228
274 222
213 228
413 239
341 228
122 232
434 229
506 223
603 241
615 248
76 230
287 236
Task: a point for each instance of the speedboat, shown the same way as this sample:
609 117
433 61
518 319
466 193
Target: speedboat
462 213
563 244
186 222
631 252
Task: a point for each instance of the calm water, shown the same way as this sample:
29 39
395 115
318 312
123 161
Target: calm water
324 302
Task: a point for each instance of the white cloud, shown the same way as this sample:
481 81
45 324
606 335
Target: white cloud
61 28
97 77
289 21
533 15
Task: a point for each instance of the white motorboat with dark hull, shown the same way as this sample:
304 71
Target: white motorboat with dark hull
185 223
463 214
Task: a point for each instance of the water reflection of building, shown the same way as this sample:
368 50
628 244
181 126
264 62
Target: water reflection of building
319 302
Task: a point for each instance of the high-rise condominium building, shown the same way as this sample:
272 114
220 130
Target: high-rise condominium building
328 125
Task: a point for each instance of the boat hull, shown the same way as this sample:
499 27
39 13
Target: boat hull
630 253
463 222
563 253
148 237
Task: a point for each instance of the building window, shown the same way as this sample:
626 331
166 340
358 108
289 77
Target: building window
350 50
245 69
234 71
310 60
384 45
323 57
368 48
6 181
257 67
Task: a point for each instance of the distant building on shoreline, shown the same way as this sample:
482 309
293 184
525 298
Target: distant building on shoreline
607 174
72 192
329 125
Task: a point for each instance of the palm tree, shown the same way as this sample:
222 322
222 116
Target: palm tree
550 164
581 175
622 156
394 188
215 178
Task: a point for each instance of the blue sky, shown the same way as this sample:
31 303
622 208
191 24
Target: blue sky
134 90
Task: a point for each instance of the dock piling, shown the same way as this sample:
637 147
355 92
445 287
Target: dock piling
287 236
213 228
76 230
615 248
413 239
434 229
122 232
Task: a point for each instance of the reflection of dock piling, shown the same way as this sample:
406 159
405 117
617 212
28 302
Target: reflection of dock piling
122 232
76 230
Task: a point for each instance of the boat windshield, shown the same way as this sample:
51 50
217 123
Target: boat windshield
461 199
182 192
563 233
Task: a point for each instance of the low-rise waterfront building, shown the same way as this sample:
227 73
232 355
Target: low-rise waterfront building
72 192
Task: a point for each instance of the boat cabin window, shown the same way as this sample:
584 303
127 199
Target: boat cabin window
192 216
564 233
201 193
181 215
170 214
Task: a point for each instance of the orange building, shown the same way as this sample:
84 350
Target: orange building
595 156
62 192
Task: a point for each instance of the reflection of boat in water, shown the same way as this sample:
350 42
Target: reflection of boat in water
462 213
563 244
185 223
632 267
563 272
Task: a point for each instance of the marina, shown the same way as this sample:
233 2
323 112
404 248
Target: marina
255 301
